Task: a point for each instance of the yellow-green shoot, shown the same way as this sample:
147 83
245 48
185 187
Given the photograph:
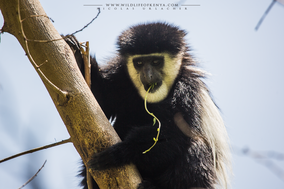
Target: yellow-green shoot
154 119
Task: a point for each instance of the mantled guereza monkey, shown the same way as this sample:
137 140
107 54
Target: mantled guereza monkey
192 150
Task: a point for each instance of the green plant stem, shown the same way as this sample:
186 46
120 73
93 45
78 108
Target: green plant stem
154 120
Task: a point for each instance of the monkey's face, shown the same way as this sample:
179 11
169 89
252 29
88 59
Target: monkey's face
150 71
158 70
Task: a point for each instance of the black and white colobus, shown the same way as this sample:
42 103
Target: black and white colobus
192 150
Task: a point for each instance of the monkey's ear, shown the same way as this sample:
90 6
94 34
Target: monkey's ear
74 44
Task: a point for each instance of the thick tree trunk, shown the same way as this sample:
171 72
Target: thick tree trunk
87 125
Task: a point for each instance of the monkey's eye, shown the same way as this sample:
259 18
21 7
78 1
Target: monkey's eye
156 62
138 63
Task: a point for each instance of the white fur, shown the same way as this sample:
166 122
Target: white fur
215 132
170 72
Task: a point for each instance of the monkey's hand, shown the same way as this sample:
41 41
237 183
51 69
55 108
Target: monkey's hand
131 150
128 151
114 156
75 46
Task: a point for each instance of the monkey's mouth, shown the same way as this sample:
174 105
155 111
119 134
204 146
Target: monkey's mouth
154 87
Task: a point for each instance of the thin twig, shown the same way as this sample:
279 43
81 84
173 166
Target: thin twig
88 23
45 41
87 64
259 155
89 179
61 92
36 149
264 159
264 15
33 176
39 16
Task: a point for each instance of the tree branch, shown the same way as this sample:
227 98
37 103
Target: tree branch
54 61
35 150
33 176
264 15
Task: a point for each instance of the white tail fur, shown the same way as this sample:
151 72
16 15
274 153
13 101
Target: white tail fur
215 132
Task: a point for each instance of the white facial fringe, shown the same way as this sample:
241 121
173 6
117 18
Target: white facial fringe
170 72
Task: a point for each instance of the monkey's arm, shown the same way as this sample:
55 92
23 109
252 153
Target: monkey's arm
167 149
99 83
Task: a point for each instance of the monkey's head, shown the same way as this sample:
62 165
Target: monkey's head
154 54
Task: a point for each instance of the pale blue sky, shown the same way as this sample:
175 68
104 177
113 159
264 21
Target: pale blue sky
246 80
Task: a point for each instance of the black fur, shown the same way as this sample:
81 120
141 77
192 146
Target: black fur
177 161
150 38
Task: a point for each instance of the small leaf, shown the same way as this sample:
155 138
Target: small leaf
154 121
